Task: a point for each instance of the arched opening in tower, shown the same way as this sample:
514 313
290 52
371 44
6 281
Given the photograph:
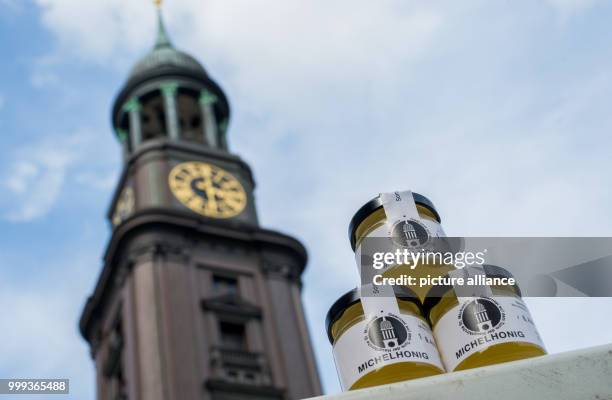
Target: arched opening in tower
153 116
190 115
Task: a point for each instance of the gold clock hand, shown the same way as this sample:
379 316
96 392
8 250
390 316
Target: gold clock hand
212 200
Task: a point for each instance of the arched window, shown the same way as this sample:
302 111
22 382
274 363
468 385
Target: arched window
190 115
153 116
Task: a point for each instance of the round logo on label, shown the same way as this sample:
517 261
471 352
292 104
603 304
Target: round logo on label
387 333
409 233
481 315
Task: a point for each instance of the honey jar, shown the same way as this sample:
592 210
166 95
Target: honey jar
478 330
417 222
382 348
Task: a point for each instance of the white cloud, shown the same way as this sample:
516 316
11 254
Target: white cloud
42 78
99 30
43 340
289 33
45 70
556 328
36 177
570 8
99 181
22 174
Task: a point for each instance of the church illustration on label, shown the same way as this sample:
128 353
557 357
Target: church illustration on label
388 334
483 320
409 232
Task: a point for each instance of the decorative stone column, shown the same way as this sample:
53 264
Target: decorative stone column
133 107
223 133
169 90
125 143
207 101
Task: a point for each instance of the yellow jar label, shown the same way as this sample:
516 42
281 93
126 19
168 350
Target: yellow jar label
478 323
381 341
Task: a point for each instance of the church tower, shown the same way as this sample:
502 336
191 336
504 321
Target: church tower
195 299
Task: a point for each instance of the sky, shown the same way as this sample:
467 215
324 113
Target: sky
498 111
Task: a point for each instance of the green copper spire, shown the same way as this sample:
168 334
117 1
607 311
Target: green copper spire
164 56
163 40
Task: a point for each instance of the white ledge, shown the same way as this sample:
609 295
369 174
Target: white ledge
576 375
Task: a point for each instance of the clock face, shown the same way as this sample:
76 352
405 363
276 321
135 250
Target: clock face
207 189
124 207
